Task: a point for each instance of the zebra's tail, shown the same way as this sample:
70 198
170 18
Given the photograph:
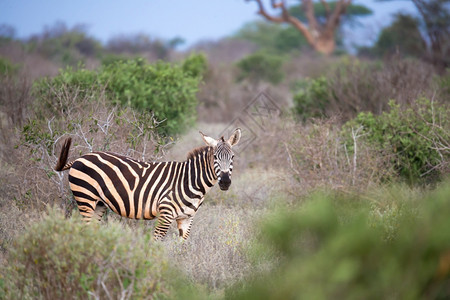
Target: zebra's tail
62 164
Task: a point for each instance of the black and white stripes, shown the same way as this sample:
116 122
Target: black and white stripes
145 190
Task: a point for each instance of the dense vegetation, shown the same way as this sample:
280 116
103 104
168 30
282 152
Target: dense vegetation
342 193
348 247
167 91
57 257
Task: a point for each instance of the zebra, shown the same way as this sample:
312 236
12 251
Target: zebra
135 189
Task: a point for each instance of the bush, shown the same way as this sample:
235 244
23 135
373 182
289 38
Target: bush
312 98
353 86
195 65
163 89
15 96
415 137
261 66
59 258
66 45
320 155
7 67
333 247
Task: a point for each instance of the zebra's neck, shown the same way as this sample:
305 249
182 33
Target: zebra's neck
199 170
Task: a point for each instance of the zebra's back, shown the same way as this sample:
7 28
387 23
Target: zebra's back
122 183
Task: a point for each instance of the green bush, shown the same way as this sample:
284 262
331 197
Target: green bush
7 67
111 58
312 98
333 247
261 66
59 258
68 46
195 65
443 83
166 90
413 136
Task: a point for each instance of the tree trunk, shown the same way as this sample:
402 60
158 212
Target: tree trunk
324 45
321 38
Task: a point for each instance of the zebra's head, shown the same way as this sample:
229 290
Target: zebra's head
223 156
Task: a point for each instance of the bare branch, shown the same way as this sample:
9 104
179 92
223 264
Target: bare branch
285 18
327 7
262 11
309 11
339 10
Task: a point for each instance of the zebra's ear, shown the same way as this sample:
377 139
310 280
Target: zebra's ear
235 137
209 140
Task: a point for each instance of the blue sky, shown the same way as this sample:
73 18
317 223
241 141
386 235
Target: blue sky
193 20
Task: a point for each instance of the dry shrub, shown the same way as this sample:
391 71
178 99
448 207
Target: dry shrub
309 64
360 87
12 222
222 98
94 125
15 98
352 86
215 102
319 158
33 64
225 51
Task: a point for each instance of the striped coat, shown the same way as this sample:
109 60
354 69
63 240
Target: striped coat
145 190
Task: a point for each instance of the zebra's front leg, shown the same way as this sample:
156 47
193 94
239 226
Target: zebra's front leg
164 221
184 227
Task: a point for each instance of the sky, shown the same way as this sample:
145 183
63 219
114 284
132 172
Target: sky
193 20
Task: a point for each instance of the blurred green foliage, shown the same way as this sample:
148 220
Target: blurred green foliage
168 91
352 12
337 247
444 84
402 36
7 67
271 37
195 65
261 66
59 258
65 45
312 98
411 135
111 58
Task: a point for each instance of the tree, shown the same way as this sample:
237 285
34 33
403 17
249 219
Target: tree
318 29
436 18
403 36
435 15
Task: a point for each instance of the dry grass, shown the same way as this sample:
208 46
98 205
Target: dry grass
215 253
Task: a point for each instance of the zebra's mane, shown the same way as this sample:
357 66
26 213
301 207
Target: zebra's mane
197 151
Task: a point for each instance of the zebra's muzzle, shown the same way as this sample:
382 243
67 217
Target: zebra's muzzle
224 181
